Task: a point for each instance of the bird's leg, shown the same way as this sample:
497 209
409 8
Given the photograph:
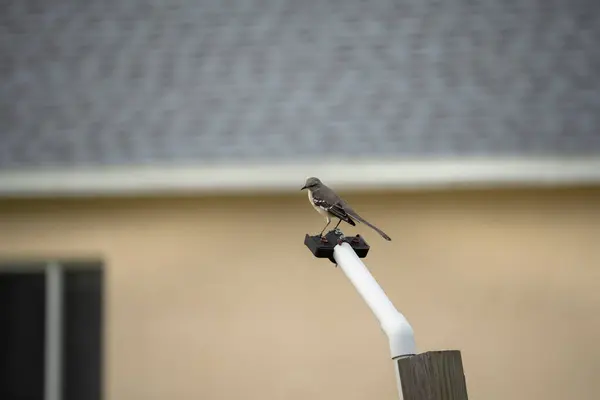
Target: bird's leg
338 224
336 228
328 222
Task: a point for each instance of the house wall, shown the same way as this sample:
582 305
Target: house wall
217 298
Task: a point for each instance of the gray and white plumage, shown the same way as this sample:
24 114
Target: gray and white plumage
327 203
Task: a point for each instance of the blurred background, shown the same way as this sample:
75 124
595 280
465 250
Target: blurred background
152 227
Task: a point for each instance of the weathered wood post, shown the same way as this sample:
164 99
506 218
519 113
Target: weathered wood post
434 375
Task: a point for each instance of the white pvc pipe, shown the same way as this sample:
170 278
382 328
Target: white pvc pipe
394 324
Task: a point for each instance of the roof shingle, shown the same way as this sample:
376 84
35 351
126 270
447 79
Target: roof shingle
124 82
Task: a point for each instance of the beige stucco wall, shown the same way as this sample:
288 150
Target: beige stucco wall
219 299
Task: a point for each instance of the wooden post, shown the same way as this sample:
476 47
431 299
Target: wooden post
434 375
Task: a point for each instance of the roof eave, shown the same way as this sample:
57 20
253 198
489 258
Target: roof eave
343 174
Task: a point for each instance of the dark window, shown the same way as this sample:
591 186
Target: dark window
82 334
22 335
48 320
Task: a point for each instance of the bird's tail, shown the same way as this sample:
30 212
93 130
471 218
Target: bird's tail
364 221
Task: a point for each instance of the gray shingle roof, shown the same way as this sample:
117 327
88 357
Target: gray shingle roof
133 81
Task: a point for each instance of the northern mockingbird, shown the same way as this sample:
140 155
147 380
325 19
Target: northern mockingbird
330 205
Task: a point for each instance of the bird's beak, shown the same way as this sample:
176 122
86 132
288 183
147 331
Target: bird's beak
303 187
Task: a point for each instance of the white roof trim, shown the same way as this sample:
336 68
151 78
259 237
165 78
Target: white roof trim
360 175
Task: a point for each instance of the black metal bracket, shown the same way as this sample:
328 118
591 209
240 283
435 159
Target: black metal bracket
322 246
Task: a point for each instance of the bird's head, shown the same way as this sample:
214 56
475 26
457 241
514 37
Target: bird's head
311 183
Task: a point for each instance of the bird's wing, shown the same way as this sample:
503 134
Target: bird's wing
329 201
